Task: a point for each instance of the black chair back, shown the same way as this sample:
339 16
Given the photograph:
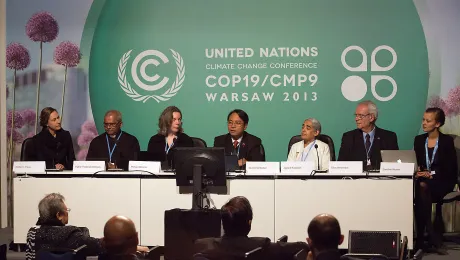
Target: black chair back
62 254
25 149
323 138
262 152
457 148
198 142
328 140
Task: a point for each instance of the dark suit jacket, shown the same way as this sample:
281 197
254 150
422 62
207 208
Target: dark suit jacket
53 150
127 149
352 147
157 144
445 159
250 146
333 255
230 247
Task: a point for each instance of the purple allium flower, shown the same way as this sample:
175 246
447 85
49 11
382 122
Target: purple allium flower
85 138
42 27
18 120
437 101
17 137
89 126
67 54
29 116
453 100
81 156
17 56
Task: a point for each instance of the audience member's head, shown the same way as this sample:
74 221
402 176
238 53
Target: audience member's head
237 217
324 233
53 208
120 236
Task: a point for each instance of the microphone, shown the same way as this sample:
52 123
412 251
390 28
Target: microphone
317 157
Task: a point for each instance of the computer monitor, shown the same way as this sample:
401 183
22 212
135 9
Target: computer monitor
201 168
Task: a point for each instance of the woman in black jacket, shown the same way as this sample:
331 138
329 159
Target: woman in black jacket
170 136
437 174
53 144
51 231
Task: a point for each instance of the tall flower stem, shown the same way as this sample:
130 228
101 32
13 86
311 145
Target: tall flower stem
11 144
38 87
63 94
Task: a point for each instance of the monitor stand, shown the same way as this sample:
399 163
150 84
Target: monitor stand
197 197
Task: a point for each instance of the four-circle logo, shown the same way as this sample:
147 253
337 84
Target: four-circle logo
132 93
354 88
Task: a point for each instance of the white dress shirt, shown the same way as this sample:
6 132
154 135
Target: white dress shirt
298 151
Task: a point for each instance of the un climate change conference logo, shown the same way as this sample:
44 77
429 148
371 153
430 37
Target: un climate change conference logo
354 88
132 93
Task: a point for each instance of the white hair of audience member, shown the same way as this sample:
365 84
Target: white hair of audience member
50 205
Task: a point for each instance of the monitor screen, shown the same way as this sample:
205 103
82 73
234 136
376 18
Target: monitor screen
211 159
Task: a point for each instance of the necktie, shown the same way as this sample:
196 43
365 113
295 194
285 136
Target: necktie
368 144
235 144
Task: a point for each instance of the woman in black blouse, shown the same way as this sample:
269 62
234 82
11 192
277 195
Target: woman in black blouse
170 136
53 144
437 175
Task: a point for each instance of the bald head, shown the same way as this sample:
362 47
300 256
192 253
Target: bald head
120 235
324 232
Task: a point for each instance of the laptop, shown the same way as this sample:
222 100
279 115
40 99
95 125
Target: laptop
231 163
400 156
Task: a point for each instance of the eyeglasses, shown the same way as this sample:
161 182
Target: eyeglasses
111 125
237 123
361 116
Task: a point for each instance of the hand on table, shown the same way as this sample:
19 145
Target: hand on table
143 249
423 174
242 162
59 166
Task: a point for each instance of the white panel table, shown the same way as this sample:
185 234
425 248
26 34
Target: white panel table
158 195
92 201
360 204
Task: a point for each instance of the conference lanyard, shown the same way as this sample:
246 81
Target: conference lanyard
306 156
168 147
430 162
108 145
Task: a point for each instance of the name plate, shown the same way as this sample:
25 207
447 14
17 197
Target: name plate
344 168
297 168
262 168
402 169
88 166
153 167
29 167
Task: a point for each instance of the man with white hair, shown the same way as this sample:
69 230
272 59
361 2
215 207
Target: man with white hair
365 143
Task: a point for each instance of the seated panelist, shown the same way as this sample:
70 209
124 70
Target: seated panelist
365 143
170 136
437 174
311 149
53 144
114 146
238 142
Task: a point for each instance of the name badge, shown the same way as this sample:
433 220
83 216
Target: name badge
88 166
401 169
297 168
262 168
29 167
344 168
153 167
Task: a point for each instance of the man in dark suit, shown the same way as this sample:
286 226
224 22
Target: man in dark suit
237 142
114 146
324 238
365 143
236 222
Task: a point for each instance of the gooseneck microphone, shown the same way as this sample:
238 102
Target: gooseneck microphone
317 157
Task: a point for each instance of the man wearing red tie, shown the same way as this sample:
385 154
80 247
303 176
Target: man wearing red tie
238 142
